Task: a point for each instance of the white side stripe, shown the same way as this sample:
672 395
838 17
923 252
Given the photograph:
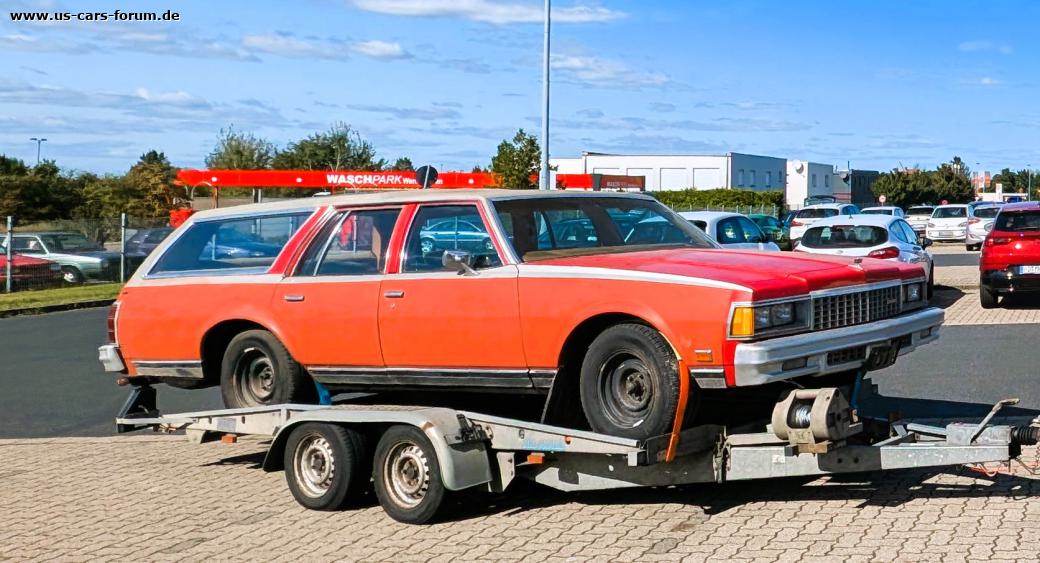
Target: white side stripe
535 271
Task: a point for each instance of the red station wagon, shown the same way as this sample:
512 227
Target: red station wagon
497 291
1010 261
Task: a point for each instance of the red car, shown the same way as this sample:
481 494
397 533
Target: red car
1010 261
28 272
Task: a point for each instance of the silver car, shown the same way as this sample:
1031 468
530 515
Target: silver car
980 223
81 259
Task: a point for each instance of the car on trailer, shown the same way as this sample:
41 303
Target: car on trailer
613 332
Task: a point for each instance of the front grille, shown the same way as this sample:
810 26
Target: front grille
836 311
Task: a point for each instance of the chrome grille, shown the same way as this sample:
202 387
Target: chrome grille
836 311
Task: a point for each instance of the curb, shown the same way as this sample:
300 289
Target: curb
55 308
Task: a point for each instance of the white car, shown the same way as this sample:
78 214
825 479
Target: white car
948 223
980 223
731 230
870 236
884 210
918 217
809 215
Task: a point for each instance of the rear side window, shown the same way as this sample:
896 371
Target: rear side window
986 212
845 236
354 243
817 213
233 245
1018 221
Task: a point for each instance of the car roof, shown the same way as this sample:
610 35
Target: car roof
404 197
860 219
1021 206
707 215
885 207
38 233
951 205
922 205
825 206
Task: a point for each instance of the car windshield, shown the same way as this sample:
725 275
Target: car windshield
845 236
71 242
877 211
950 213
540 228
919 211
817 213
986 212
1018 221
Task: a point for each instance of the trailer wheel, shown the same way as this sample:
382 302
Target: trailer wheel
324 464
630 382
407 475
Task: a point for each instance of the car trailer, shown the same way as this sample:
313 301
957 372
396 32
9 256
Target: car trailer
417 455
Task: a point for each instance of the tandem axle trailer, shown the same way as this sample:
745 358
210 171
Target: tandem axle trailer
415 456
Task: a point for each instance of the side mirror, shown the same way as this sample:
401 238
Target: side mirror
926 242
459 261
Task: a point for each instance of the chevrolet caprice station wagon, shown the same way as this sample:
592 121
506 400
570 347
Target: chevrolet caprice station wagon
495 291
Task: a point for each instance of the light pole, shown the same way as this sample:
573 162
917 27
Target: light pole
1029 182
543 177
39 141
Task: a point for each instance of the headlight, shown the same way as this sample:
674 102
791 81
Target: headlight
750 321
912 292
931 225
962 224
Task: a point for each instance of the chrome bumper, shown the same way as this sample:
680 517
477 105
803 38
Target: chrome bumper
110 358
756 363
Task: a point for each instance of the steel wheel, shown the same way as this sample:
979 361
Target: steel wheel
406 474
315 465
254 377
627 388
426 246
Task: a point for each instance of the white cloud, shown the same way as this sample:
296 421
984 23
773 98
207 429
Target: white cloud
287 45
409 113
380 49
985 46
488 11
605 72
989 81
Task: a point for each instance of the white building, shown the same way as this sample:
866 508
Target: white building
680 172
806 179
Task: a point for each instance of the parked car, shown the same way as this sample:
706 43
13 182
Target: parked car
808 215
455 233
884 210
28 272
80 258
144 241
774 229
979 225
626 333
1010 260
948 223
884 237
731 230
918 217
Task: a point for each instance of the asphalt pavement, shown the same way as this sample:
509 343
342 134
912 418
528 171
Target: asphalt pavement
52 385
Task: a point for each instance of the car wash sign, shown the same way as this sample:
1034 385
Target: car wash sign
329 179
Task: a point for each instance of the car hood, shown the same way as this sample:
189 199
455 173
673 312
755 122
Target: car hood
766 274
19 260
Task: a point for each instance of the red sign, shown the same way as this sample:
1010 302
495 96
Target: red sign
347 179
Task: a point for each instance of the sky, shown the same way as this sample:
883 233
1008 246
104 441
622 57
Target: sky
879 84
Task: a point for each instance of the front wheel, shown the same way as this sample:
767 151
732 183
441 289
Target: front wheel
630 383
407 475
257 370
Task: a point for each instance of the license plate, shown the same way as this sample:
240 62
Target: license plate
1029 269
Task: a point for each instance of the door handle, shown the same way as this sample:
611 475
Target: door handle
394 294
293 298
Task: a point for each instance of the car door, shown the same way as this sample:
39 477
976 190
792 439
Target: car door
327 307
919 253
436 323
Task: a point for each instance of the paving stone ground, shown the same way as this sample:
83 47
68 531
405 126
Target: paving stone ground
160 498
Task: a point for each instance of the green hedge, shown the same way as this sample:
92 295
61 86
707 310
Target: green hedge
699 199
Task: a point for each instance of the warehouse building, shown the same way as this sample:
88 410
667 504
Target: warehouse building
680 172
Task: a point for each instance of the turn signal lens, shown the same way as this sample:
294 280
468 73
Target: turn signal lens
743 322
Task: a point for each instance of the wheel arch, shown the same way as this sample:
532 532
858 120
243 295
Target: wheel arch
216 339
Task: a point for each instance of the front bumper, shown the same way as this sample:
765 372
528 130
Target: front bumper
830 351
111 359
946 234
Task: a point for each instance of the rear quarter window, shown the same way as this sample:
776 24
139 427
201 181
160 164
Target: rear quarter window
232 245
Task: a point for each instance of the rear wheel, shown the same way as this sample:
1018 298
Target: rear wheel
987 297
630 382
407 475
324 464
258 370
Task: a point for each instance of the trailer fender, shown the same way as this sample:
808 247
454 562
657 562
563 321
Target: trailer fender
463 460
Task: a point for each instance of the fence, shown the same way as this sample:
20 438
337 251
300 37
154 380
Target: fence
49 254
771 210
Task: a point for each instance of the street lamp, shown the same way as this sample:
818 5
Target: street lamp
543 177
1029 182
39 141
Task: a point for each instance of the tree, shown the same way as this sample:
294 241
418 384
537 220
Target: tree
909 186
150 183
240 151
403 164
12 166
339 148
517 161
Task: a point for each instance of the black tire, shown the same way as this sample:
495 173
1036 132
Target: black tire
987 297
407 475
630 382
257 370
324 465
71 275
